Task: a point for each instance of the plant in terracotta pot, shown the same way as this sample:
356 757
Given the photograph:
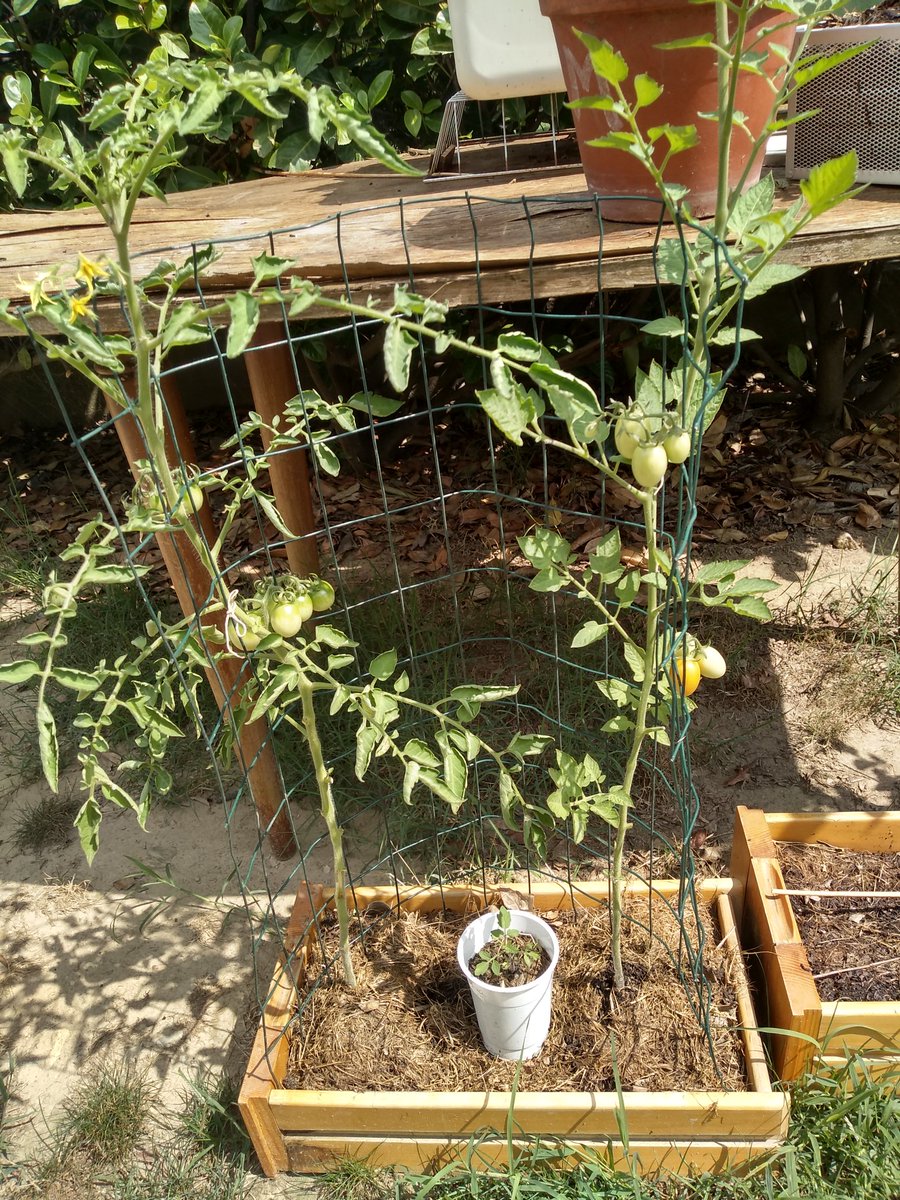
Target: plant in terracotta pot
709 79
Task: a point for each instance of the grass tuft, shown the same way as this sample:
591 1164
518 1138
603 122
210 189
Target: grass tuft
209 1122
46 823
350 1179
106 1114
842 1145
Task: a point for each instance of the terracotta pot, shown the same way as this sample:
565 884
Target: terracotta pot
635 28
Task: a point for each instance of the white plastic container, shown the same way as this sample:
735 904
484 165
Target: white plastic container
856 105
514 1021
504 48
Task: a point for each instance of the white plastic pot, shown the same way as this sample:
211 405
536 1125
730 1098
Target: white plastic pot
514 1021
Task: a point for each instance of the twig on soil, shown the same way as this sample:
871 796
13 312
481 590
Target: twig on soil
882 962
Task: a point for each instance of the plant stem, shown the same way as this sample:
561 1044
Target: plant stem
329 815
640 732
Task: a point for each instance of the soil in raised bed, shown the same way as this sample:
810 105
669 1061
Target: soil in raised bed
853 943
887 11
410 1025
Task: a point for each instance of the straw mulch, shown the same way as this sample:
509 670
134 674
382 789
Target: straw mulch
410 1024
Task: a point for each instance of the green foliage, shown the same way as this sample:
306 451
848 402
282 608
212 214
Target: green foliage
104 1115
508 954
58 59
383 60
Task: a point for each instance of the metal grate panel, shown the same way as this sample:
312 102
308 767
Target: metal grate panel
857 106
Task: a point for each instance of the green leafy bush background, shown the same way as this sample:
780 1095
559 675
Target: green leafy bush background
388 59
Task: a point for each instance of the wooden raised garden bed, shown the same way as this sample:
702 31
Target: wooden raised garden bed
307 1130
768 927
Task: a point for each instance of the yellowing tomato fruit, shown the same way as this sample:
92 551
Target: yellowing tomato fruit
628 435
687 675
712 664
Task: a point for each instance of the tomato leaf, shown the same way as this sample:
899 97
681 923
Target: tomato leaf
384 665
47 745
87 822
590 632
243 310
19 671
511 412
398 348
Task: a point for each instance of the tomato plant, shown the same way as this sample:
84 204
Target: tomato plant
190 503
629 434
287 613
686 672
677 446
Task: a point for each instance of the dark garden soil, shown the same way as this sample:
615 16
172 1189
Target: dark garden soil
510 961
853 942
888 10
410 1024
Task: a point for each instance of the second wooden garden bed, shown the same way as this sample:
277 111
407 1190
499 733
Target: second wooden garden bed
769 929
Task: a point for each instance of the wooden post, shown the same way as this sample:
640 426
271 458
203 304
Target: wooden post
191 583
270 369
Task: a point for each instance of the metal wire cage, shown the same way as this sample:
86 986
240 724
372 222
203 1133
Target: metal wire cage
413 514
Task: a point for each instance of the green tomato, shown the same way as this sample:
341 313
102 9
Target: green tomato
712 664
628 435
286 616
321 593
190 502
678 446
648 465
245 630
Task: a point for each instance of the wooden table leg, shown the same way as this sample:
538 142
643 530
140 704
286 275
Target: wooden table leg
270 368
191 583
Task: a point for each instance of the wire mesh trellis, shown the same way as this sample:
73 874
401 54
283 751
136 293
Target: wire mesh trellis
415 516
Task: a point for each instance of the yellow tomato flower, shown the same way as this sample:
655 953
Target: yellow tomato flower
88 271
79 306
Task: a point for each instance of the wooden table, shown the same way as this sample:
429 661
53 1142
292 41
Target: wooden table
532 233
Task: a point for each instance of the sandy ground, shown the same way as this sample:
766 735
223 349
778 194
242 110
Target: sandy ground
82 976
91 968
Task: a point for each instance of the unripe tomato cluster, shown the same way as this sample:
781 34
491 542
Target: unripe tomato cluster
696 664
281 608
650 454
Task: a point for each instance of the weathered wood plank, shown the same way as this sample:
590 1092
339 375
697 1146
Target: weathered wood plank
791 999
316 1153
878 832
269 1054
536 232
855 1023
754 1053
772 937
545 894
883 1068
559 1114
